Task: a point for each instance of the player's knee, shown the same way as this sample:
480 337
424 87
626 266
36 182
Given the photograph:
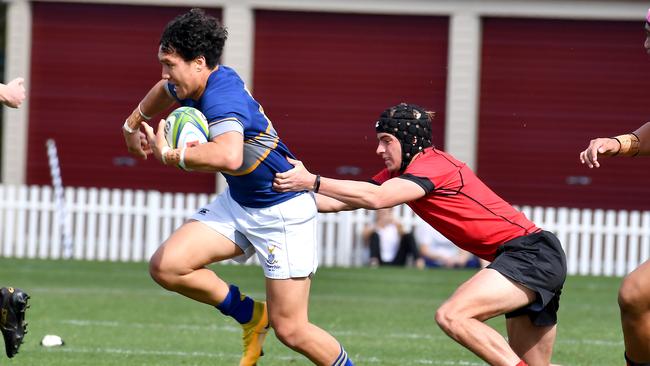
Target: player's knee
288 333
156 272
447 318
161 272
632 297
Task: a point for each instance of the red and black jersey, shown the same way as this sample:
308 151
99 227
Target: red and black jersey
459 205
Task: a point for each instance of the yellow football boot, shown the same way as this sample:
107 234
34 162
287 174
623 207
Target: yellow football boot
254 333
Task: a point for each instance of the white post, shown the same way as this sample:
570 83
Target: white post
9 221
328 250
598 233
610 230
91 229
81 212
562 229
102 238
152 235
32 241
18 48
138 226
115 213
126 240
344 240
238 17
21 222
61 212
572 252
461 128
584 233
634 231
45 239
645 236
621 243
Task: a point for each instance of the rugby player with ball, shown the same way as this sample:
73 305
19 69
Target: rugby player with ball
247 218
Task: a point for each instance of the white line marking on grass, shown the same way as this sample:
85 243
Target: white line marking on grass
231 356
101 291
595 342
114 324
419 362
461 363
344 333
117 291
139 352
411 335
234 329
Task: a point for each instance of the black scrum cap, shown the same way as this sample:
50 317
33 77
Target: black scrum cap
411 125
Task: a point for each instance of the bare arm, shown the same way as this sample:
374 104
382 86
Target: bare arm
367 195
329 204
155 102
353 193
643 133
610 146
223 153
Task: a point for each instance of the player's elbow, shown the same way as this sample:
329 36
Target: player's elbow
232 161
375 201
234 164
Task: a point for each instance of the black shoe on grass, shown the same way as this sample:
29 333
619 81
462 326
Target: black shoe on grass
13 303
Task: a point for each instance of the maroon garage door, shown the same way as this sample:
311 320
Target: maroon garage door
324 78
547 87
91 64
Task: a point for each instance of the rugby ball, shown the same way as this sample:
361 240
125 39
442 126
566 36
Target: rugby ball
186 126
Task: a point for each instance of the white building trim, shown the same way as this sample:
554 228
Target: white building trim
612 9
238 52
461 128
17 63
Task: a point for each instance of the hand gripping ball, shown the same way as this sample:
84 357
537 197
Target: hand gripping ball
186 126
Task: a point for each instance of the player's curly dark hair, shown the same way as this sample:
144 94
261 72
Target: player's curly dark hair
195 34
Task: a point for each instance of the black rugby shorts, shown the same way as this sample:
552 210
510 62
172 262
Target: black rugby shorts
536 261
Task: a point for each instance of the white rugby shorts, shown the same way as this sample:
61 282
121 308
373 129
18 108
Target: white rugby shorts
283 235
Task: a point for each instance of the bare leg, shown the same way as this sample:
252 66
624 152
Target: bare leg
634 302
485 295
179 264
288 303
534 344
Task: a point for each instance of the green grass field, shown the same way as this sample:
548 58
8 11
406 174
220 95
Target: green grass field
114 314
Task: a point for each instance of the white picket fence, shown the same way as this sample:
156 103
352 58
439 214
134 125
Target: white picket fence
127 225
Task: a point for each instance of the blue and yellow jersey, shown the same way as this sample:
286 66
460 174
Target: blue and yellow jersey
228 106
